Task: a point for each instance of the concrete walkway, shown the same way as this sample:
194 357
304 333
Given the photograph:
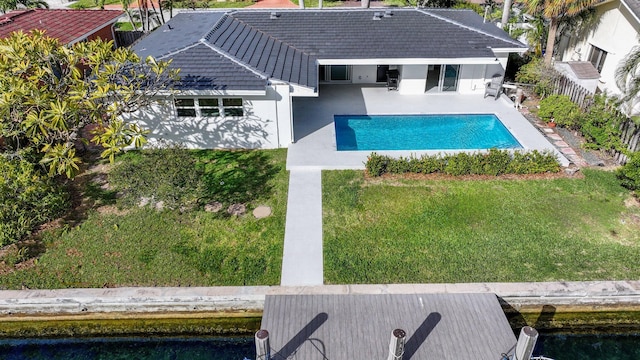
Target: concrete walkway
302 256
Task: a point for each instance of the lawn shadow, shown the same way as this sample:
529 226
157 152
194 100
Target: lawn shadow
237 176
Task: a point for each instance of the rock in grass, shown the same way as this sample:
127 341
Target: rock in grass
213 207
262 211
237 209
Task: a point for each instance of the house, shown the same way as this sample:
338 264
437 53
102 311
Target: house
68 26
242 70
606 42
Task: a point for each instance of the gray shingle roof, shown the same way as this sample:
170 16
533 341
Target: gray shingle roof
202 68
288 46
634 6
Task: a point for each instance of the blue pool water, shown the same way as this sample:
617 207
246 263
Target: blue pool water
422 132
153 348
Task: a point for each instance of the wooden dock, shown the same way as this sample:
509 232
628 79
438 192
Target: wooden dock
358 327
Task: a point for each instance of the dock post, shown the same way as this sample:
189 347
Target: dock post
526 343
396 345
263 350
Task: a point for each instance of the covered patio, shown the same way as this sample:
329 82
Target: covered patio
314 144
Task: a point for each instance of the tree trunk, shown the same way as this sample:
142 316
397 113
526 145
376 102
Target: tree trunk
161 10
365 4
133 24
301 3
506 11
551 40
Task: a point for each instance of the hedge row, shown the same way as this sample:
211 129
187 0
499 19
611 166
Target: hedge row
494 162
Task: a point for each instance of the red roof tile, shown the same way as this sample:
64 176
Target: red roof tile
65 24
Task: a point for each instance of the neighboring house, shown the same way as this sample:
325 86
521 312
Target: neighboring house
606 42
68 26
241 70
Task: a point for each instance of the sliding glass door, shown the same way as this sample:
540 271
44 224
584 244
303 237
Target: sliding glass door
442 78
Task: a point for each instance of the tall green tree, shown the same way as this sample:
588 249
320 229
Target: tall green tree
554 11
52 93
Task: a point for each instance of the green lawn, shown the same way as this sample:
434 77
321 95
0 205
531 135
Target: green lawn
421 231
88 4
144 247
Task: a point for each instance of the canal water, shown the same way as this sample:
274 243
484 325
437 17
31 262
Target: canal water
161 348
589 347
558 347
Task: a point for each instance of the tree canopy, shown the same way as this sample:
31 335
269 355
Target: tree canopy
554 10
52 92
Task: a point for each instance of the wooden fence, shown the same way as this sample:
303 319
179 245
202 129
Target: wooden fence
630 132
562 85
126 38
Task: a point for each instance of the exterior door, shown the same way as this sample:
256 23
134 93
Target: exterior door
450 78
381 75
433 78
442 78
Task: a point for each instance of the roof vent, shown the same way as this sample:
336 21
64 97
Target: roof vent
388 13
274 15
377 16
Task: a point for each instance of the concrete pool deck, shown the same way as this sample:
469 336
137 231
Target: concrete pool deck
590 295
314 132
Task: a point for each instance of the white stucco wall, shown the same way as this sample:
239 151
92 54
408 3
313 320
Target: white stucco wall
413 79
364 74
266 123
471 79
616 33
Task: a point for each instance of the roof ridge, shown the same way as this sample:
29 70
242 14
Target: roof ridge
443 18
232 58
255 29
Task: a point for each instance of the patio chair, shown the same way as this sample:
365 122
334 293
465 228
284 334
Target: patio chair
392 79
494 88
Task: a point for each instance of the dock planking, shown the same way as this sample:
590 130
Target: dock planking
354 327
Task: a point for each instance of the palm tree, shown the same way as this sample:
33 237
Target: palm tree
628 78
555 10
125 7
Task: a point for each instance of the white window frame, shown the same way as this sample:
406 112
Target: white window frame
601 57
198 108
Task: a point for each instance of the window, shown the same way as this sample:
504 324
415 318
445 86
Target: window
597 57
334 73
186 107
232 107
209 107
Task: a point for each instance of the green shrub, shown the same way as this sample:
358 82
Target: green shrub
629 174
533 162
459 164
600 125
495 162
561 109
377 164
167 175
28 198
539 74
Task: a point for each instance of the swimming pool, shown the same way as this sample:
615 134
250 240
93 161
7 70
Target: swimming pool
422 132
